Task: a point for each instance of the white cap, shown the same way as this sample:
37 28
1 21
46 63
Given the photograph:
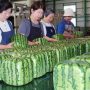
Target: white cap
68 12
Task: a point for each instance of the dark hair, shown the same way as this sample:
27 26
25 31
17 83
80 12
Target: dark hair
48 11
4 5
37 5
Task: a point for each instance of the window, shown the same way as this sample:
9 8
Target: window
73 7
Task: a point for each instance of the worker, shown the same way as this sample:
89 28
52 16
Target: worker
66 27
6 27
49 29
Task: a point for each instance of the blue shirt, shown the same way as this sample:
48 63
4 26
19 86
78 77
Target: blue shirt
64 25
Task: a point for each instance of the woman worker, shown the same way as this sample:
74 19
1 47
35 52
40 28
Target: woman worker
6 27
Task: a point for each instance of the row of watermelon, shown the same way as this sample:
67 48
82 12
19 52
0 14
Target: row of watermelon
20 41
20 66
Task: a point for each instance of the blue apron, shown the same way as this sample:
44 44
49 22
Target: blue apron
6 36
50 31
35 32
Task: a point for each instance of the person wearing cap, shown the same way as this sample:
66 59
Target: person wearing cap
6 27
66 27
48 27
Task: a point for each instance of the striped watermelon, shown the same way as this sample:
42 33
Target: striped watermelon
41 40
38 64
20 41
78 33
16 69
85 57
17 72
58 36
72 75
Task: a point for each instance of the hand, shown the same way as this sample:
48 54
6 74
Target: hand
33 43
52 40
36 43
68 35
10 45
69 31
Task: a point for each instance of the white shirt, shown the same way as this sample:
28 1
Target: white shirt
0 37
4 26
46 25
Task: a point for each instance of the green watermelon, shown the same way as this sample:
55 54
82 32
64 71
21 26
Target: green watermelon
16 69
38 64
20 41
78 33
72 75
58 36
41 40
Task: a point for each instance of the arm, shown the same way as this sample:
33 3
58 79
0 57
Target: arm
69 32
6 46
50 39
33 43
24 27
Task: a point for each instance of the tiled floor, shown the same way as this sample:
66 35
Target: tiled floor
42 83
